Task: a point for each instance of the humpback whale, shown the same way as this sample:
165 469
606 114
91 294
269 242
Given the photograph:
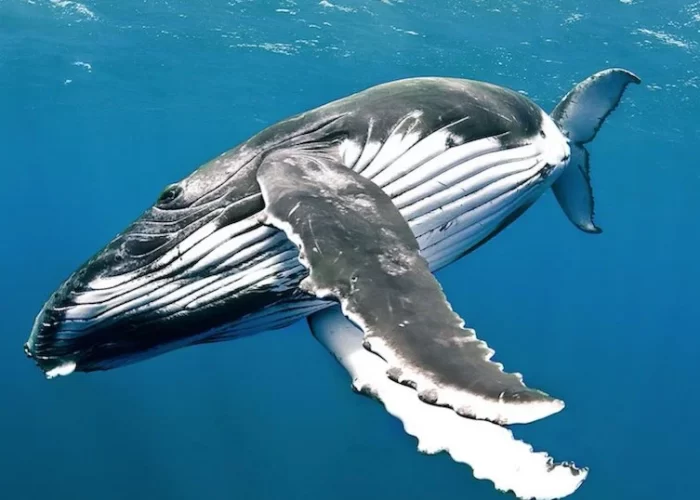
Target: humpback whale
341 215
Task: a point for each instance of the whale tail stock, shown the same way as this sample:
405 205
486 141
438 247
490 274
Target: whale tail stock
579 115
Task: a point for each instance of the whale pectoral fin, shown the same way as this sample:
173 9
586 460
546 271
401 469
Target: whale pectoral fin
490 450
574 192
362 253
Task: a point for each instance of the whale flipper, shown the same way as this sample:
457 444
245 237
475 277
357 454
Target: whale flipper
361 252
580 114
490 450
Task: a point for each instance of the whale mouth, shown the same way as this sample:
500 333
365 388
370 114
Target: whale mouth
64 339
51 364
52 367
61 345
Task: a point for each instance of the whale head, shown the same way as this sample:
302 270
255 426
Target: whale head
190 265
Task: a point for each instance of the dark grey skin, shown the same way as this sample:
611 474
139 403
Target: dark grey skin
362 253
225 190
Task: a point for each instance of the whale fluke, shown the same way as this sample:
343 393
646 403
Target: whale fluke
580 114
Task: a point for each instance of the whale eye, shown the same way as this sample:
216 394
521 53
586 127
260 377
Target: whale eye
169 194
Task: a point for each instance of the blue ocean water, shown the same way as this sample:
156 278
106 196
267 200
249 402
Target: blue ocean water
103 103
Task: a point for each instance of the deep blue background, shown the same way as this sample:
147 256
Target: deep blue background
609 322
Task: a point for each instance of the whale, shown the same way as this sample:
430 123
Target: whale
341 215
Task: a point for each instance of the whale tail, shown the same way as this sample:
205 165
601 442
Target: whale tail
579 115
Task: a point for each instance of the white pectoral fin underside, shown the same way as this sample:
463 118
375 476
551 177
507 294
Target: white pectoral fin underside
490 450
362 253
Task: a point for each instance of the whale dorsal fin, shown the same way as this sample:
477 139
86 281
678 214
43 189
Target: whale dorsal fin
361 252
579 115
